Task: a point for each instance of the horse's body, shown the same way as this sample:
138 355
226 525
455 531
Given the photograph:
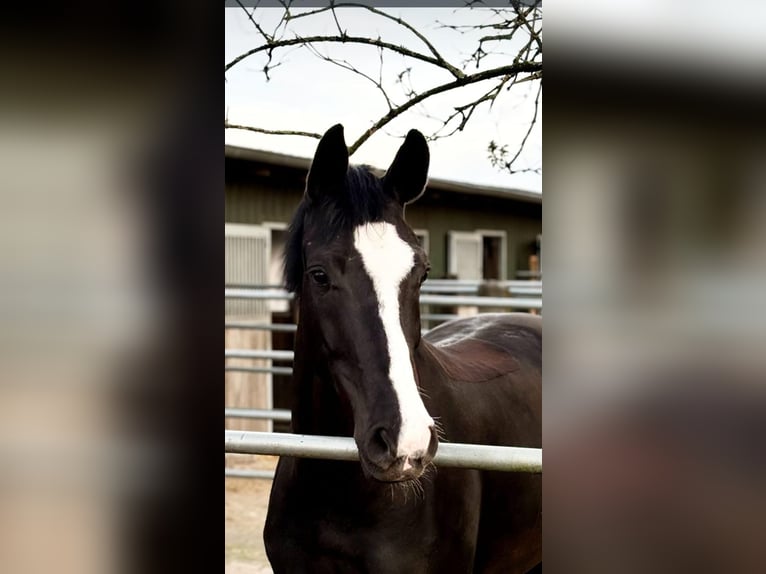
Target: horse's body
479 379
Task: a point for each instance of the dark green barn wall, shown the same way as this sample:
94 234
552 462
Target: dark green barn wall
258 193
442 212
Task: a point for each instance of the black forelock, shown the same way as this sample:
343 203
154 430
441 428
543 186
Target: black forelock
363 200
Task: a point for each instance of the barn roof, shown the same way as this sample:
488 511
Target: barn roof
302 163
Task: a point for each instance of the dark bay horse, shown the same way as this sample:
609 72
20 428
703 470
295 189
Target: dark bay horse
362 369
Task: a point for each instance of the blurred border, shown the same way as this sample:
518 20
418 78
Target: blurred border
111 255
654 212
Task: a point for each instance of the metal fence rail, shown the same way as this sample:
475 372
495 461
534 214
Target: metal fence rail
282 327
273 294
529 290
508 282
482 457
428 283
258 354
467 300
245 473
281 415
425 299
466 289
272 370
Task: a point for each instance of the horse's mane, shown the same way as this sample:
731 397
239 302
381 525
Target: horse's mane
362 200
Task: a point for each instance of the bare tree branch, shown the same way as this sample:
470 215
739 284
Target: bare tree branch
460 82
466 111
298 40
457 72
351 68
250 17
227 125
511 39
497 154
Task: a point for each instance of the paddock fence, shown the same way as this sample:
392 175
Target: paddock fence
459 298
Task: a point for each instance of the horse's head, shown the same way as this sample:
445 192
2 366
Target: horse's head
357 267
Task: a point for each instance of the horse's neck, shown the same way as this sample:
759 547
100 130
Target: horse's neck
317 408
427 365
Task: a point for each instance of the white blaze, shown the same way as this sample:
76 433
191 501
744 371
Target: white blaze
388 259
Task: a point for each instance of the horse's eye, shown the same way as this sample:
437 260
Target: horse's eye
424 277
320 277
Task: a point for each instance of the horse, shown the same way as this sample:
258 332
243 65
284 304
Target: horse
361 368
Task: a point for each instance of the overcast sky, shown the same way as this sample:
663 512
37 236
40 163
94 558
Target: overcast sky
306 93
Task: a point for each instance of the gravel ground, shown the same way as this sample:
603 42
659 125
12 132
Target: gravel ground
246 503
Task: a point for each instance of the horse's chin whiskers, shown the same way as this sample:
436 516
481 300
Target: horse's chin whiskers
407 487
429 472
415 488
440 434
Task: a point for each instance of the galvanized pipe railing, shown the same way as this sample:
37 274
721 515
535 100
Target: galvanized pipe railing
281 327
477 456
476 282
428 283
281 415
425 299
272 370
250 473
273 294
257 370
258 354
467 300
531 291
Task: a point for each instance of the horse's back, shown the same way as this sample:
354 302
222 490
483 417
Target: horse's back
493 395
484 347
485 321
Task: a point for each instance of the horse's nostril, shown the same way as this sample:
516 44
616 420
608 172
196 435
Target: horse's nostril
380 443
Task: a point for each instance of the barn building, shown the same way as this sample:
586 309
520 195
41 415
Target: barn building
469 231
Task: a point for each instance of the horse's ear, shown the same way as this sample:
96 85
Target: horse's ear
406 178
330 164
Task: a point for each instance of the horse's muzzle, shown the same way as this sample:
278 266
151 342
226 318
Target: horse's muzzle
379 460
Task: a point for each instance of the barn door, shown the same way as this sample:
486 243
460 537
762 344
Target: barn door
248 254
465 252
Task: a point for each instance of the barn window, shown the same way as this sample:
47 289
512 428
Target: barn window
479 254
